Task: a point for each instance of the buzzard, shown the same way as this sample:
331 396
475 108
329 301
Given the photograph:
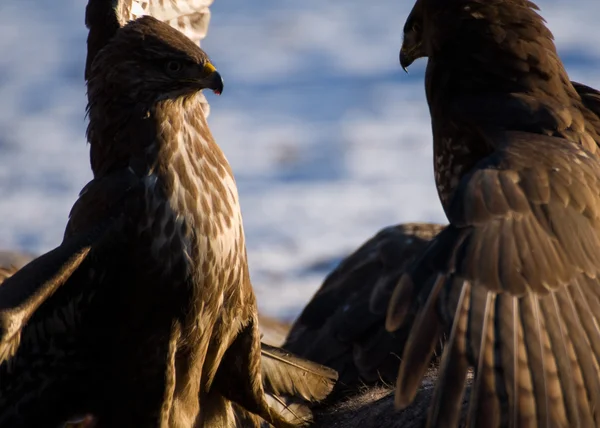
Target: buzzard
145 314
514 278
343 326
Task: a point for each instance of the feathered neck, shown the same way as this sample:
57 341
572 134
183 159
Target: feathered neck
124 133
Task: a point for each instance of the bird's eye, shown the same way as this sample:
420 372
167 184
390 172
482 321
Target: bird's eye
173 66
416 27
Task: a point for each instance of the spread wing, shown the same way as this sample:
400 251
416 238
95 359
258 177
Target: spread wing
104 17
22 293
343 326
40 304
514 281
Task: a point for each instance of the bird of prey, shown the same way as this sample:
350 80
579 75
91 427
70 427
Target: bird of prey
343 326
145 314
514 278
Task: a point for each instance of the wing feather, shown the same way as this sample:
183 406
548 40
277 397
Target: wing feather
586 369
450 385
524 239
415 364
23 292
484 406
288 375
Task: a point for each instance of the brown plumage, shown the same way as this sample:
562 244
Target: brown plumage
144 315
514 278
284 376
343 326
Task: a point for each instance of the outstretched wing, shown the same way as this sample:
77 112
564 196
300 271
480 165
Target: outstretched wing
104 17
41 303
22 293
514 280
343 326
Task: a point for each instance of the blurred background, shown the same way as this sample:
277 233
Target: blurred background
328 138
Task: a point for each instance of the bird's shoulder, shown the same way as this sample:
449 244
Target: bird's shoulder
106 198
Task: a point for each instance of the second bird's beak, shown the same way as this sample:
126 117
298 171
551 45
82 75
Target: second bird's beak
213 79
405 60
408 55
411 50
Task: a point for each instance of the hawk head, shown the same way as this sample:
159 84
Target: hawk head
419 30
412 40
460 28
145 65
148 61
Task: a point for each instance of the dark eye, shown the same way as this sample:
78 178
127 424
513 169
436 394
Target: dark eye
173 66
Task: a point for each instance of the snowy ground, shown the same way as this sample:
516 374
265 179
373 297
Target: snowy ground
328 138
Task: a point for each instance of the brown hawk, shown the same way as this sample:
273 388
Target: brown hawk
514 279
145 314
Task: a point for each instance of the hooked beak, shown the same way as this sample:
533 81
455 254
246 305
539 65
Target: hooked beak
213 79
411 50
405 59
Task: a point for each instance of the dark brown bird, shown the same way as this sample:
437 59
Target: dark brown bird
145 315
514 278
343 326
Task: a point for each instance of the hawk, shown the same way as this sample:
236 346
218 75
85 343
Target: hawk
514 278
145 314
